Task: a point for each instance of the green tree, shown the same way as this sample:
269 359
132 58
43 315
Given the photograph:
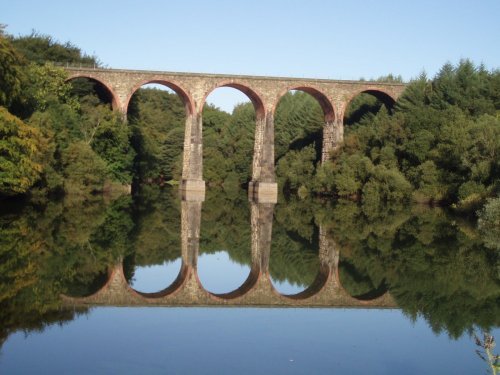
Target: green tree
46 84
84 171
157 120
11 72
39 48
489 224
19 151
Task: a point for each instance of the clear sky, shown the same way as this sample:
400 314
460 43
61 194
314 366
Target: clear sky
311 38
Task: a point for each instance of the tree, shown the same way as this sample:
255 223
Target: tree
19 151
46 85
39 48
11 73
84 171
489 224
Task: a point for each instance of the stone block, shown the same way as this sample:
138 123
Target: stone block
193 190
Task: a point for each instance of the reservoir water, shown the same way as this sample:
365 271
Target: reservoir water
153 284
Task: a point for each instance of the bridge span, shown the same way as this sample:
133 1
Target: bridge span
264 92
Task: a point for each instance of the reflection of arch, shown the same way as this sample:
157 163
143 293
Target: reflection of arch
385 97
176 284
373 294
322 278
117 289
243 289
89 288
257 290
323 101
261 221
251 94
112 94
186 99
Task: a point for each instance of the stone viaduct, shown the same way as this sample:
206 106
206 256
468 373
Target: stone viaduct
264 92
257 290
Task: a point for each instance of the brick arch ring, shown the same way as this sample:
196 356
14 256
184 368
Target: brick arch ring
325 103
255 98
114 98
177 88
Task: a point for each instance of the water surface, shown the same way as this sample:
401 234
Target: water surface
440 282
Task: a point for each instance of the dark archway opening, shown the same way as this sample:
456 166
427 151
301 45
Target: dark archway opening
89 90
157 117
300 118
229 117
86 287
367 104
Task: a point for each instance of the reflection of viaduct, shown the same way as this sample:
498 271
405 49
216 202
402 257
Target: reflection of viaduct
264 92
257 290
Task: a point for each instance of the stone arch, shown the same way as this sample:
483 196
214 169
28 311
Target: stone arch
115 104
255 98
183 94
330 136
325 103
115 289
260 119
175 286
247 286
385 96
321 280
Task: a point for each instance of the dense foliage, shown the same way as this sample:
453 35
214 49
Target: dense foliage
441 144
157 119
433 267
63 246
56 136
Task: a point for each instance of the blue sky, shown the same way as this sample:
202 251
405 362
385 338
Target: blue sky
310 38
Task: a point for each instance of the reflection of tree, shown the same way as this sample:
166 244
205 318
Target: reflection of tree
433 266
295 245
225 225
157 228
59 247
86 261
157 225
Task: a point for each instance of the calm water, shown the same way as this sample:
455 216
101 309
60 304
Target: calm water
297 287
